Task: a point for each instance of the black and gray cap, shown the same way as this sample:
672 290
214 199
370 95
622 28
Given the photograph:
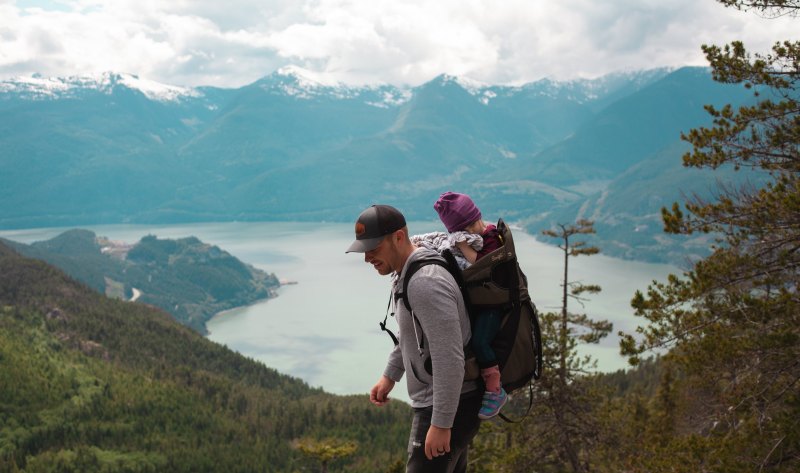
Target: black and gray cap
373 224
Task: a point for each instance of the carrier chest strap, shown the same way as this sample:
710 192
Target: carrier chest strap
385 318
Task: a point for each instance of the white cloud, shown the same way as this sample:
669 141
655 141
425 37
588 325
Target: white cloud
207 42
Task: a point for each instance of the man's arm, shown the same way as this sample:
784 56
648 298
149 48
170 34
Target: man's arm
379 394
395 367
436 302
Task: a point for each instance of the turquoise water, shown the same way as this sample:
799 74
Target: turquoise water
324 329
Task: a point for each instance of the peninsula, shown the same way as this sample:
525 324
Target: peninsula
188 278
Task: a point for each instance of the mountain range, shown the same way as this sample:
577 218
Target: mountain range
116 148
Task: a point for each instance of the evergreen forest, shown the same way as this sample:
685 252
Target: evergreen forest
91 383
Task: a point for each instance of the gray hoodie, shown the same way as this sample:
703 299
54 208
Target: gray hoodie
444 330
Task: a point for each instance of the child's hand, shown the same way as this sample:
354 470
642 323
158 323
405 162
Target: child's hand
469 253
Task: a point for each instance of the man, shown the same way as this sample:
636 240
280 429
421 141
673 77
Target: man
431 345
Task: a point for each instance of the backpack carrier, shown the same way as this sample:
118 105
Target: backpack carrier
494 282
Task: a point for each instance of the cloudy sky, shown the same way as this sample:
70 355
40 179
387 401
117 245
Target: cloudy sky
231 43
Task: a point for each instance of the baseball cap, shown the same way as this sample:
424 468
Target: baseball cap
373 224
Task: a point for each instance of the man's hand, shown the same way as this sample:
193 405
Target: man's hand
379 395
437 442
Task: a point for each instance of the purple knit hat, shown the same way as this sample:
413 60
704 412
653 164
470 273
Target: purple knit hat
456 211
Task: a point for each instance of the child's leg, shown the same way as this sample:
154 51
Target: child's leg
483 332
486 325
485 328
491 378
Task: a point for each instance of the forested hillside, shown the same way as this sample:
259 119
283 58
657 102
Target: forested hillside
89 383
190 279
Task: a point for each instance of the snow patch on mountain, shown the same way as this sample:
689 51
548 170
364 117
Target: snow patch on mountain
305 78
156 90
303 84
484 92
472 86
35 86
585 90
391 97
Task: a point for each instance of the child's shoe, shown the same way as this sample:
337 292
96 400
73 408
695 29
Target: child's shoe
492 403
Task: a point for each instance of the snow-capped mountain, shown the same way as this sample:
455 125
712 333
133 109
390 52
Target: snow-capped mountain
302 84
294 81
600 91
36 87
121 148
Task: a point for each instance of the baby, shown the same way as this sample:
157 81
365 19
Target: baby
459 214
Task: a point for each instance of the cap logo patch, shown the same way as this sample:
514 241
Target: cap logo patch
360 229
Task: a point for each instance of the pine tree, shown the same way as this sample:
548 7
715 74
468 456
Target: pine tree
732 322
326 451
562 429
570 398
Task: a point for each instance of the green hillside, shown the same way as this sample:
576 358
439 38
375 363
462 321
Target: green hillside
89 383
190 279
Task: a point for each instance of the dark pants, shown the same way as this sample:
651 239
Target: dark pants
465 426
486 326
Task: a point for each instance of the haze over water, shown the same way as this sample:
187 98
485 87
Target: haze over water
325 328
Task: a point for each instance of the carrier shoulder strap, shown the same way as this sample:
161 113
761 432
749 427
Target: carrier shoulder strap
449 264
393 296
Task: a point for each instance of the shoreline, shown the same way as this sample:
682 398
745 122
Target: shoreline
273 295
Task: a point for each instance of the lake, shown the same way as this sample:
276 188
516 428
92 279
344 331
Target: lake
324 329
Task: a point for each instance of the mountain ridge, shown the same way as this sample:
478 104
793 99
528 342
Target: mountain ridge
296 81
261 153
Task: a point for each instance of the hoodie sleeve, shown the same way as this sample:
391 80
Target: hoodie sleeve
394 367
435 299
